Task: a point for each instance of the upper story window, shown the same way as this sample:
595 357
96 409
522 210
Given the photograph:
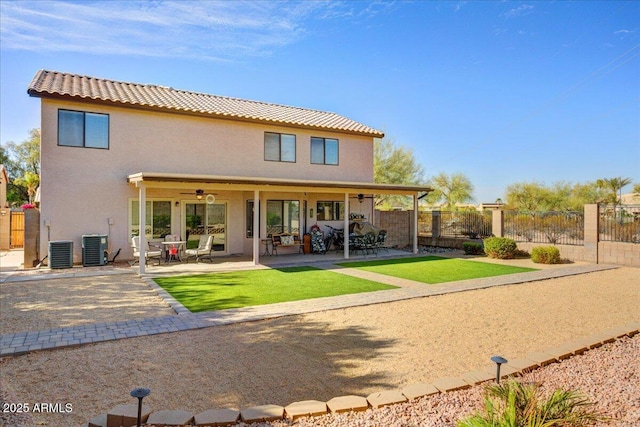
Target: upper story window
324 151
81 129
279 147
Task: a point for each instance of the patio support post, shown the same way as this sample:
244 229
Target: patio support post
142 202
415 223
346 225
256 227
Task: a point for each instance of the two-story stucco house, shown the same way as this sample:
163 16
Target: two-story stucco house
196 163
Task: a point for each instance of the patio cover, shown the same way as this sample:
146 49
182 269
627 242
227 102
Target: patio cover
144 180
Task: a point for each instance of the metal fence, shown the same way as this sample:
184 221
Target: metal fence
562 228
470 224
619 223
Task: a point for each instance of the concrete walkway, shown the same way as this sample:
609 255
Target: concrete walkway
25 342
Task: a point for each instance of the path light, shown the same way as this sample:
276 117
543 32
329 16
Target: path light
499 360
140 393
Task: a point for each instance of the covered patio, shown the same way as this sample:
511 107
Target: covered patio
258 188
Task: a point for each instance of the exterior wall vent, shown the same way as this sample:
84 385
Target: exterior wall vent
61 254
94 249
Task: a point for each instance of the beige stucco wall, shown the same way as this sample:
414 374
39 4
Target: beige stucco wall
85 190
5 212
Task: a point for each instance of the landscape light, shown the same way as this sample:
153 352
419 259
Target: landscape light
140 393
499 360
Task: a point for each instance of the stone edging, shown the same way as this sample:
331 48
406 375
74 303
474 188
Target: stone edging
126 415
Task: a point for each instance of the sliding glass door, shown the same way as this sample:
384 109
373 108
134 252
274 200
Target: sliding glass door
206 219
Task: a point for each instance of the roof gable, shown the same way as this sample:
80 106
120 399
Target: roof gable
56 84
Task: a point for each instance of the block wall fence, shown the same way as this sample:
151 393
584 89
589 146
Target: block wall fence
399 226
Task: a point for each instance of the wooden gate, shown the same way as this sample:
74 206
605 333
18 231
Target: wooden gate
17 230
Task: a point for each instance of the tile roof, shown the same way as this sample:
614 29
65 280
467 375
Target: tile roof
56 84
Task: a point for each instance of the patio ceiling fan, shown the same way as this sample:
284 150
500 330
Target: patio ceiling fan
210 197
361 197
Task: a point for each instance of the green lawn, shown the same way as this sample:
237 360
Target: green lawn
433 269
218 291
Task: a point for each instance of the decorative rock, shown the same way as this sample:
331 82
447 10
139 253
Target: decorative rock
306 408
262 413
165 418
415 391
126 415
217 417
385 398
347 403
450 384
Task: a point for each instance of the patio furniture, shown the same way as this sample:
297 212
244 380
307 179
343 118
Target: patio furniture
148 254
286 240
172 249
203 250
381 241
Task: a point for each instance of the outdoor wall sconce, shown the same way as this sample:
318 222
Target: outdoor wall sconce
177 203
140 393
499 360
360 197
311 213
199 194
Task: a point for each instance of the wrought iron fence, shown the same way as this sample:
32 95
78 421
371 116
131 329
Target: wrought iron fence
562 228
619 223
470 224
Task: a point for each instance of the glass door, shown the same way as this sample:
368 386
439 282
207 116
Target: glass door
206 219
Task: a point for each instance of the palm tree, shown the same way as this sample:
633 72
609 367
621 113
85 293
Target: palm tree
31 181
613 186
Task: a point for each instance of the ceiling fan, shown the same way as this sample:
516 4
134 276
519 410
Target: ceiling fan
210 197
361 197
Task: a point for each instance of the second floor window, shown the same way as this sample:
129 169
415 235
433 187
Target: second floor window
80 129
324 151
279 147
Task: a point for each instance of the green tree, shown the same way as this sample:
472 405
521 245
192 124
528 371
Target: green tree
636 189
22 161
449 191
394 165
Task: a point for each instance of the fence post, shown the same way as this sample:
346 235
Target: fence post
591 233
497 223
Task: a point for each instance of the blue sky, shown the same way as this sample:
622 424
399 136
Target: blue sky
501 91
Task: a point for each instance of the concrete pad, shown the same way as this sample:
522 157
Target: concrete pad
348 403
176 417
477 377
126 415
385 398
305 408
414 391
262 413
99 421
450 384
217 417
542 358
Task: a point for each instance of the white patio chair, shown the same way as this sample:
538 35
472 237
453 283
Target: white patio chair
148 254
203 250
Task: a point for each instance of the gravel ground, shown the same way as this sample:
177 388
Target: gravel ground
358 350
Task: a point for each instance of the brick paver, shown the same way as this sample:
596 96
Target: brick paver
25 342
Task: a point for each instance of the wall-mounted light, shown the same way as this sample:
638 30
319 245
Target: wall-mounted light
199 194
177 203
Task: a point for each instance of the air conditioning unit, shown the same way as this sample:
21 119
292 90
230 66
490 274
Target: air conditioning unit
61 254
94 249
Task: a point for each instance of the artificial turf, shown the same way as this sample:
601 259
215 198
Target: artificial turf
218 291
434 269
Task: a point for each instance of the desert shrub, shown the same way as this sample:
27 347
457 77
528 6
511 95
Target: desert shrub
500 247
545 255
513 404
472 248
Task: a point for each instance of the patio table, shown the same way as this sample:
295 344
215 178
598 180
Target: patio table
172 250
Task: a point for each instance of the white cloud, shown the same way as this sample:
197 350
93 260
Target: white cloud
214 30
521 10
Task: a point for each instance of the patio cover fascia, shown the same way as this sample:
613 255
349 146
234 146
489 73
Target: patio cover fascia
144 180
